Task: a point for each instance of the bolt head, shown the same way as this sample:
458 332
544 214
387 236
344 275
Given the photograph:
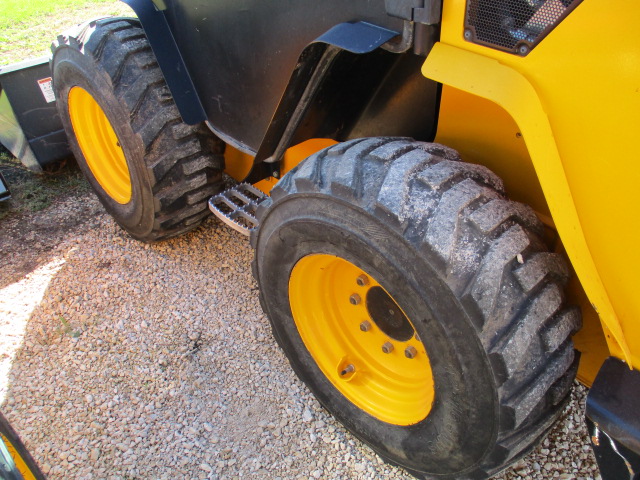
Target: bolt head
355 299
348 369
365 326
410 352
362 280
387 347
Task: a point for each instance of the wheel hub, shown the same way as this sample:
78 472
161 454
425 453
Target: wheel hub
99 145
387 315
361 339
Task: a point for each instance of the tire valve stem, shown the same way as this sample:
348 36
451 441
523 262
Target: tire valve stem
348 369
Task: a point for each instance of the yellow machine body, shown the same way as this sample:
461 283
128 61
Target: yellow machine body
560 126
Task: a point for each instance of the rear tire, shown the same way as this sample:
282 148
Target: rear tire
153 173
467 267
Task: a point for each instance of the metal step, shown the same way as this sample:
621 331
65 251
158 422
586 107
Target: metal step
237 207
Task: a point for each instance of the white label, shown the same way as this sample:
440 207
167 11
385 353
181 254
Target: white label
47 89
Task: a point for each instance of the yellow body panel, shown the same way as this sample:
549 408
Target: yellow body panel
483 132
576 102
238 164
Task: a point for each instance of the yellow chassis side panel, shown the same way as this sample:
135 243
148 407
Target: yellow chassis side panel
238 164
576 102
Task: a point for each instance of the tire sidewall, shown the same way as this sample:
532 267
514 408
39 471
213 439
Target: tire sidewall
462 424
71 68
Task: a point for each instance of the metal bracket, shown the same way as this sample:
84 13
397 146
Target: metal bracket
425 12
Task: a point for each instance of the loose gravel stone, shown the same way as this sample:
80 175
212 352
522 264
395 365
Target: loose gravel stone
124 360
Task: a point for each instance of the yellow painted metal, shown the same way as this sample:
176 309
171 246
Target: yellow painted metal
238 164
389 386
21 465
294 155
590 341
99 145
489 136
576 100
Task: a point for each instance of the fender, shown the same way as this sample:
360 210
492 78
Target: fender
347 84
314 65
357 37
170 60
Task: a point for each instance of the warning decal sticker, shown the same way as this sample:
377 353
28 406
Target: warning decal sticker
47 89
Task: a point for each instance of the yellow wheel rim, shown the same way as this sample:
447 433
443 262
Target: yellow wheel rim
20 463
361 339
99 145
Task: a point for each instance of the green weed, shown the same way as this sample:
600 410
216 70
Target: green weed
66 328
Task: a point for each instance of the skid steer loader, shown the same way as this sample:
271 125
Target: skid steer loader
440 195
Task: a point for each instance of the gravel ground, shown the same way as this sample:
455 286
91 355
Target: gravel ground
127 361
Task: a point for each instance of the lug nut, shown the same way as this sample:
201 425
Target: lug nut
348 369
365 326
387 347
362 280
410 352
354 299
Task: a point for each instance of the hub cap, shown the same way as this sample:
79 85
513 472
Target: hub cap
99 145
361 339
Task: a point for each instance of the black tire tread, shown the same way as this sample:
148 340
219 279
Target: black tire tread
491 252
184 162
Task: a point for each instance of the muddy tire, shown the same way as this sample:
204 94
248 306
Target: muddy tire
153 173
380 242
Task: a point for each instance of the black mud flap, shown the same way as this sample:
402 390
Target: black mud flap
613 420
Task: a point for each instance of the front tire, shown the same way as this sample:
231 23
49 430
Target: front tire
152 172
463 272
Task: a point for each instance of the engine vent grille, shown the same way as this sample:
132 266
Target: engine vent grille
514 26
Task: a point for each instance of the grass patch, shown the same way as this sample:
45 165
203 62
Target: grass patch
27 27
14 12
